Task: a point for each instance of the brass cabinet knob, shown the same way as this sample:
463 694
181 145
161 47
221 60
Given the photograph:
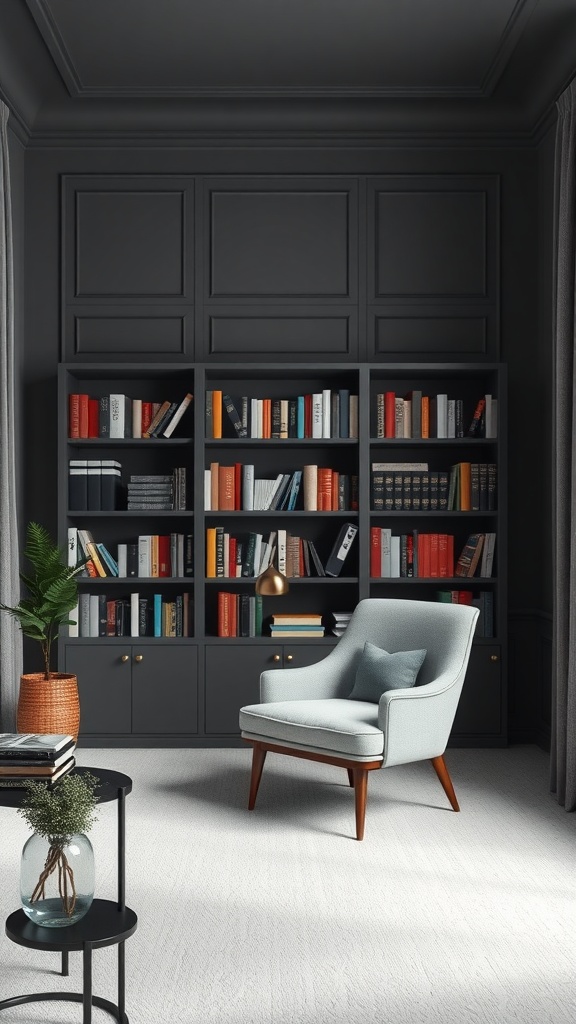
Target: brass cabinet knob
289 657
138 657
124 657
275 657
493 657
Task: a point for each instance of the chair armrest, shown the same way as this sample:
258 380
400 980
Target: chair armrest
311 682
416 722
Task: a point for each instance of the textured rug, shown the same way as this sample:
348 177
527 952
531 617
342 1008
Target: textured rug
280 917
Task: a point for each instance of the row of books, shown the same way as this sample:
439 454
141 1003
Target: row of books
94 485
149 555
98 615
312 488
413 487
296 624
324 414
33 756
118 416
239 614
429 555
341 620
157 492
484 601
419 416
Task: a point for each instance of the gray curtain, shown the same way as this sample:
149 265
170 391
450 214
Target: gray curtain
563 746
10 636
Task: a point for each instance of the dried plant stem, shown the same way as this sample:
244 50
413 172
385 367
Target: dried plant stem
56 860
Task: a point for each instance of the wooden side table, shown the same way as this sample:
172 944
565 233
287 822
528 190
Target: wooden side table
105 924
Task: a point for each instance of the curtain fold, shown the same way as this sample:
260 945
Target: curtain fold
10 635
563 745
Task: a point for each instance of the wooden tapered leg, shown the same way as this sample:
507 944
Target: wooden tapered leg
350 776
258 758
360 791
442 773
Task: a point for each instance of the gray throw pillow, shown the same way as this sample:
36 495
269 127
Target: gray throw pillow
379 671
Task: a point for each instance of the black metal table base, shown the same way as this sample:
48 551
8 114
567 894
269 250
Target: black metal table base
69 997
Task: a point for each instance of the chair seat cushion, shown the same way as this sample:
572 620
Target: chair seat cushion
338 725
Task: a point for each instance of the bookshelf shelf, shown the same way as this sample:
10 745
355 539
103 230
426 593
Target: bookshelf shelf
198 663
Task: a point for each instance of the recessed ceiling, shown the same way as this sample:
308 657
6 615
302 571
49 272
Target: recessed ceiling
370 68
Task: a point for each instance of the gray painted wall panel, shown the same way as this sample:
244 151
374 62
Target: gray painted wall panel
448 337
281 337
140 337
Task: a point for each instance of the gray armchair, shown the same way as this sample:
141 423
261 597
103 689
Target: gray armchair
306 712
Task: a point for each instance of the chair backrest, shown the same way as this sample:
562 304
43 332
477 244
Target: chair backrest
399 625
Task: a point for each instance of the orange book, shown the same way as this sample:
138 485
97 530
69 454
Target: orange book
216 414
214 481
233 600
73 415
425 414
267 417
465 487
154 559
211 552
226 488
224 613
324 489
232 552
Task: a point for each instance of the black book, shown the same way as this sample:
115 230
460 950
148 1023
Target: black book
78 485
244 625
314 555
235 418
163 423
188 555
377 490
293 417
340 550
102 615
492 495
132 559
275 417
143 616
104 417
110 484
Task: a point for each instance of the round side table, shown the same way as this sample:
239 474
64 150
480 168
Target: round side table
103 925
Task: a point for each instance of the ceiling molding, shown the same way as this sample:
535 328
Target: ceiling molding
508 42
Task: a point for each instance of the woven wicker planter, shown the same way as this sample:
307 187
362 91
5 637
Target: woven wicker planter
49 705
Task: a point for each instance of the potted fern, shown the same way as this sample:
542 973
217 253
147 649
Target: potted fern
48 701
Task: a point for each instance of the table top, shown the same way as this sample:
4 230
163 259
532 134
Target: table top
103 925
111 785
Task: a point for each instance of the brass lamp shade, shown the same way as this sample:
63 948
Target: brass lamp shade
271 583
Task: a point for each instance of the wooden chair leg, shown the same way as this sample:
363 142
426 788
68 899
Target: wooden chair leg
360 791
442 773
350 776
258 758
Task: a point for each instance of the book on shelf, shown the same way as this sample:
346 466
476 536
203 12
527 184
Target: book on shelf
295 631
297 619
470 555
329 413
166 430
238 614
340 549
484 601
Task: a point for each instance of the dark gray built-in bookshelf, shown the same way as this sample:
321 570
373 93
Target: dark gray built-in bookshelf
186 690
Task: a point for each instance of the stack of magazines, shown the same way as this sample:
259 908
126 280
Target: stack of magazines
43 758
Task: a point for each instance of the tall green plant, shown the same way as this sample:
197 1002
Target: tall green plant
52 592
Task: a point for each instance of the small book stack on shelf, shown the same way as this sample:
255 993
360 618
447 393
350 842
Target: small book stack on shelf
158 492
32 756
341 620
294 624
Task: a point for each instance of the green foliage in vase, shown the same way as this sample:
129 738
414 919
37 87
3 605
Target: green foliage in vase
58 812
52 590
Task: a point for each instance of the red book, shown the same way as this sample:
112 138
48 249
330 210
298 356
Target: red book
83 416
238 486
434 565
443 554
375 551
425 416
93 417
465 596
110 618
232 553
409 555
147 414
450 554
424 555
233 600
164 560
73 415
390 414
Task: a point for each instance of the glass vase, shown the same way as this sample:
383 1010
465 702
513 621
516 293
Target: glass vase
57 879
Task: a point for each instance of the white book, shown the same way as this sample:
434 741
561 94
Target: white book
84 614
451 418
487 560
394 557
398 417
326 412
385 553
253 417
248 487
282 551
407 417
259 417
93 615
208 491
122 556
226 552
177 415
137 417
277 483
317 415
73 628
72 547
117 409
392 467
441 415
310 476
134 615
267 549
283 417
257 553
144 556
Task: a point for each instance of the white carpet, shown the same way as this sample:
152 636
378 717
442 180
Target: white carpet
280 917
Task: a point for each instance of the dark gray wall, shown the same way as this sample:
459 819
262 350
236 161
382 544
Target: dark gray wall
517 250
16 155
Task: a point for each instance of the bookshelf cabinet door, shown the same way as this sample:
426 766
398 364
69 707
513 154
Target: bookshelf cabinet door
233 680
105 687
300 655
479 712
164 689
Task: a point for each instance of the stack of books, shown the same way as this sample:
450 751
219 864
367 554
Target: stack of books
297 624
158 492
341 620
43 758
